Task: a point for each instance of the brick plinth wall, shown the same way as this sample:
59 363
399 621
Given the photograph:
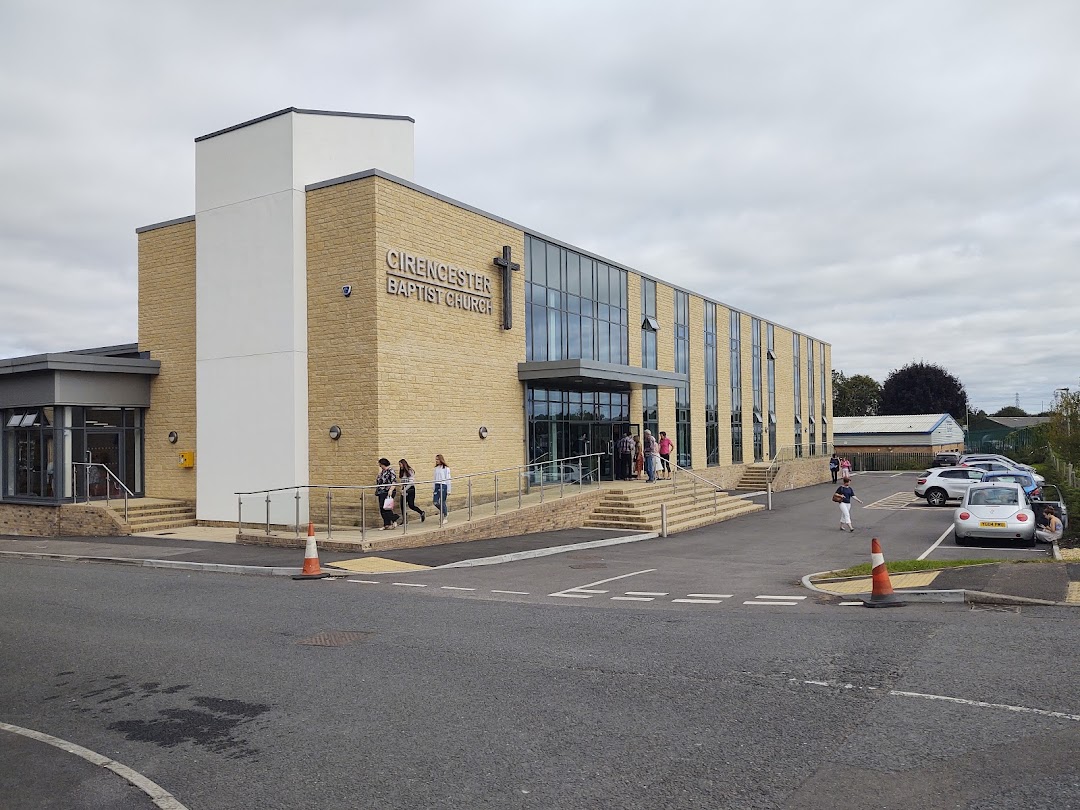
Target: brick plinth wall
68 520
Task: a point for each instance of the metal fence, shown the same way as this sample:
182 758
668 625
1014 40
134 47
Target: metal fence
889 462
1066 470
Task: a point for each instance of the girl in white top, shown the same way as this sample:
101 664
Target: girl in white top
441 478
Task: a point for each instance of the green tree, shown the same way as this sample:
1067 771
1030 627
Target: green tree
1065 426
923 388
858 395
1012 410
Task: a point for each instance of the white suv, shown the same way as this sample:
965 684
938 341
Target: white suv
944 483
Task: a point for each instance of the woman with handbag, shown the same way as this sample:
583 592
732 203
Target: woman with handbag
842 497
407 476
384 494
441 477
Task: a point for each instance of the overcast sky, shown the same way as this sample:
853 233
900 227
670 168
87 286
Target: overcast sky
901 180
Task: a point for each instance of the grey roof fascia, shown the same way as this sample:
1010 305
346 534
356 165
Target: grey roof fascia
287 110
165 224
70 361
362 175
594 370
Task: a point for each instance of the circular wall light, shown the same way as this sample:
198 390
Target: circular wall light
335 432
483 433
173 437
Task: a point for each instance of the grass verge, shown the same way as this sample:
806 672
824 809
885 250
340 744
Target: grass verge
902 567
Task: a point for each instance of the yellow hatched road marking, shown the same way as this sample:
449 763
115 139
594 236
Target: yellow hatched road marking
377 565
865 584
1072 596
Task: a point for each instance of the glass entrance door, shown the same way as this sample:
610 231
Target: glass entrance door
104 448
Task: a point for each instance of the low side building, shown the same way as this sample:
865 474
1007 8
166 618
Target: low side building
925 433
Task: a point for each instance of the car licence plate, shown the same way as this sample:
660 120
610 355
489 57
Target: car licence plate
993 524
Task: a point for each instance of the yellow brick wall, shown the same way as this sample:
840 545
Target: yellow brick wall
665 356
633 319
747 364
404 377
785 390
167 331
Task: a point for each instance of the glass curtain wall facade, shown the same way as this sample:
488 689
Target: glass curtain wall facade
824 413
796 361
40 444
735 366
810 396
682 366
770 349
712 392
755 375
575 306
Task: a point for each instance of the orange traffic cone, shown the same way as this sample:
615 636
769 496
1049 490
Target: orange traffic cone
311 558
882 594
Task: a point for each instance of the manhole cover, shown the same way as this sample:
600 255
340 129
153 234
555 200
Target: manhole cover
335 638
590 565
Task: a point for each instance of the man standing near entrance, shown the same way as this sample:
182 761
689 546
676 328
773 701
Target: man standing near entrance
652 453
626 456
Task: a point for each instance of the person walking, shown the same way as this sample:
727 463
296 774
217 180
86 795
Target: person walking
384 494
1053 529
845 468
407 477
834 467
847 496
648 447
626 456
639 459
441 477
666 446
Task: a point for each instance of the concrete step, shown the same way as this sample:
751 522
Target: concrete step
160 525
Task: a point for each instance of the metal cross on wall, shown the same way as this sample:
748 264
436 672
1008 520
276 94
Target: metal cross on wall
508 268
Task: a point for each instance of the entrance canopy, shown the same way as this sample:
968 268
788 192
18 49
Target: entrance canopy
596 374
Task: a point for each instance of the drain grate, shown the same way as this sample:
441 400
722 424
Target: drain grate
335 638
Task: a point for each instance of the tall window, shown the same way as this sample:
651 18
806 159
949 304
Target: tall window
824 413
575 307
649 323
712 392
755 375
810 395
796 359
682 366
735 367
650 409
770 348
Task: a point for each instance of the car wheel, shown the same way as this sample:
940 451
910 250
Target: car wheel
937 497
960 540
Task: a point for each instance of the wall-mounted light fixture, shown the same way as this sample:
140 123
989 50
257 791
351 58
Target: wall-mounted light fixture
173 437
483 433
335 432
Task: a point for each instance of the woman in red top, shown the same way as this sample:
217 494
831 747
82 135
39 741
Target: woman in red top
665 455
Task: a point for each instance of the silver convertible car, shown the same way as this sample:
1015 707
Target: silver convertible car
994 511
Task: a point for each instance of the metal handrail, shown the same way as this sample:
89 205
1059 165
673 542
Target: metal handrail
110 476
716 488
521 470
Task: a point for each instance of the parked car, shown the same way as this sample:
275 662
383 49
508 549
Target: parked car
964 459
1050 495
946 483
995 511
988 465
1024 479
948 458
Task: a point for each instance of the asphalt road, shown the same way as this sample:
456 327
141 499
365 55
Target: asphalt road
232 691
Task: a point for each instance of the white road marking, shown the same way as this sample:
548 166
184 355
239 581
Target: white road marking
779 597
981 704
161 797
849 604
790 604
582 591
545 552
589 590
409 584
698 601
710 595
572 595
937 543
897 475
452 588
646 593
364 581
632 598
515 593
